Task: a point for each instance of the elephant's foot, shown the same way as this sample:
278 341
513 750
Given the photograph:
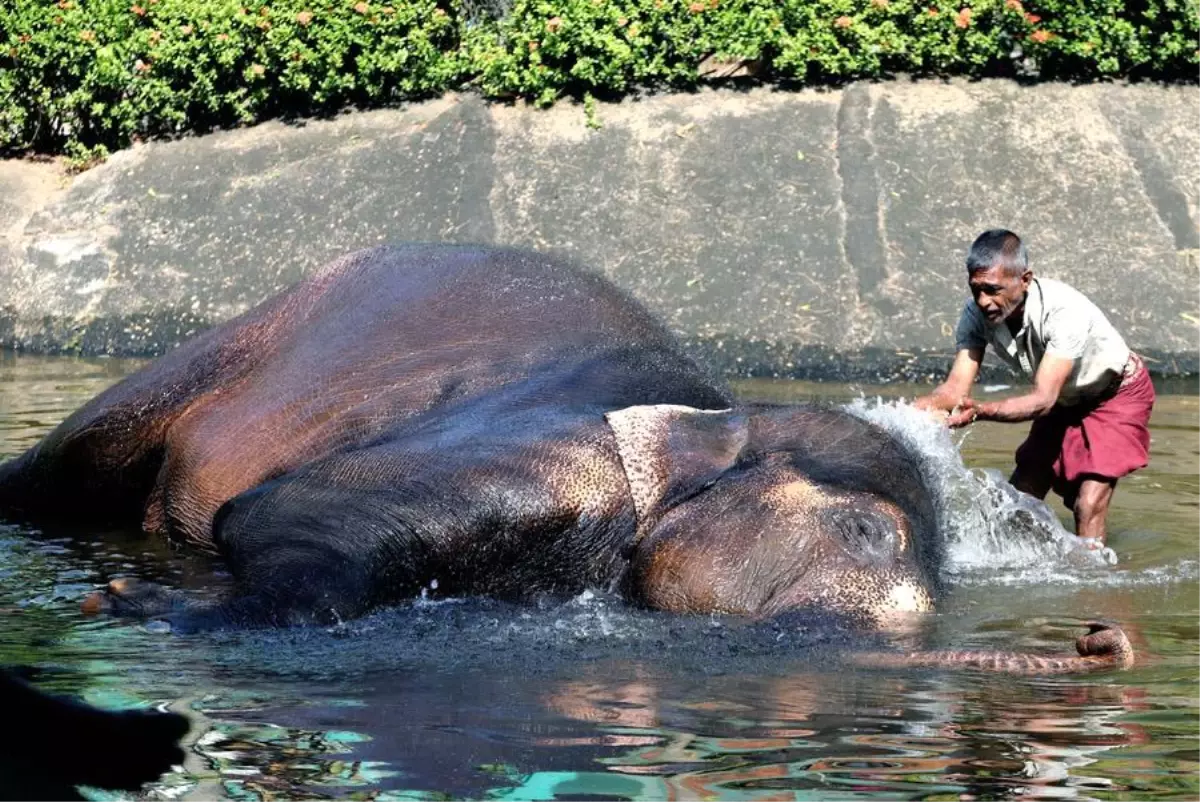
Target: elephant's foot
1104 647
172 611
134 598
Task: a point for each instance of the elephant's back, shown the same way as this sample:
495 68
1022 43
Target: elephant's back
430 297
427 322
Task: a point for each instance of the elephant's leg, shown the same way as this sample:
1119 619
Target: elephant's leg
206 462
344 536
300 554
100 463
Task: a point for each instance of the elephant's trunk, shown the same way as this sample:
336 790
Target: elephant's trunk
1104 647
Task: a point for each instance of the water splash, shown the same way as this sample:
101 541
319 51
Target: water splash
987 523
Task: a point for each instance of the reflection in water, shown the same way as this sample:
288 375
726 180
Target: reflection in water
270 762
976 743
587 698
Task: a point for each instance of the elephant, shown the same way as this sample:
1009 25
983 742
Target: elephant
452 420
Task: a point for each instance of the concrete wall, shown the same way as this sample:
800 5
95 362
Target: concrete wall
813 234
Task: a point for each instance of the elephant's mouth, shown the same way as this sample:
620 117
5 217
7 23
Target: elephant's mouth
906 596
880 600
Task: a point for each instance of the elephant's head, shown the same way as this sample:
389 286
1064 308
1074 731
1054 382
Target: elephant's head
762 510
759 510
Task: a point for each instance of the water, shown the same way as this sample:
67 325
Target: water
587 698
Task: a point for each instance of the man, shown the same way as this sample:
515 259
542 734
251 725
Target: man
1091 397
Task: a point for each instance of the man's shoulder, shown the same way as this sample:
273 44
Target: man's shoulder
1057 288
1059 296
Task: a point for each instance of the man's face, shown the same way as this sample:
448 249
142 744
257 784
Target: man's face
996 293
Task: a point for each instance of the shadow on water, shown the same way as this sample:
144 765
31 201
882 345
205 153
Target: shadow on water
586 698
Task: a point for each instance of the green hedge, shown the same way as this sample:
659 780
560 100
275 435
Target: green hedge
80 75
547 46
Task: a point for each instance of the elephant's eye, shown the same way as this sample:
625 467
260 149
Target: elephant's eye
865 534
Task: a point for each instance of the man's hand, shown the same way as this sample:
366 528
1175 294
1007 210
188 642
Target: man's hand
934 406
949 394
966 412
953 414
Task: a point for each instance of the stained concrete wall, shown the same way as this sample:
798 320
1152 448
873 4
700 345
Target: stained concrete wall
812 234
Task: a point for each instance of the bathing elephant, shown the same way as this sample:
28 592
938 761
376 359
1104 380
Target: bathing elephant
456 420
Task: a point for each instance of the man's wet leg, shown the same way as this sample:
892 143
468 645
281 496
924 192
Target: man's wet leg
1091 508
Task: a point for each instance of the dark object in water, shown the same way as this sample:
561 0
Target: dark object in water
50 744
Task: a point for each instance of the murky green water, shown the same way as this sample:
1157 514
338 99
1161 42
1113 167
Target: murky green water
588 699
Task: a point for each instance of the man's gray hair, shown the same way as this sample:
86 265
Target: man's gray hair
998 247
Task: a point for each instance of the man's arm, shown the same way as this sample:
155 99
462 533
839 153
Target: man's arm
957 386
1048 382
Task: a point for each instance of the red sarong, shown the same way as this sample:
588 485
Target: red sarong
1105 438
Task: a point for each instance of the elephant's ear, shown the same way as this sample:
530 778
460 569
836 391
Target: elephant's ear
669 452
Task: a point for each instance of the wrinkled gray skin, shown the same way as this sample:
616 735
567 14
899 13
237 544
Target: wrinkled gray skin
482 421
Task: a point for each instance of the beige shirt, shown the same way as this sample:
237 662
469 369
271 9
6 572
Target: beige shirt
1059 320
